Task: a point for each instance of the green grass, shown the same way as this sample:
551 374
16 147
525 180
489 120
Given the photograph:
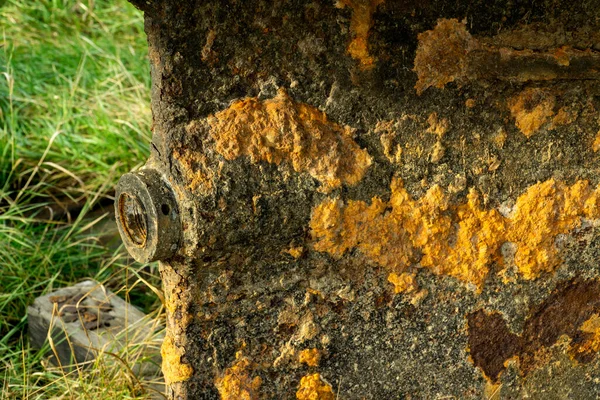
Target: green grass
74 116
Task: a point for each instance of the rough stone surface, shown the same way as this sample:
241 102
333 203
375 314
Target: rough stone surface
410 188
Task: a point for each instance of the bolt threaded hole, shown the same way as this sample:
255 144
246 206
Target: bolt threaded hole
133 219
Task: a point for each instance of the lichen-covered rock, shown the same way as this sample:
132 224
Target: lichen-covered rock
380 199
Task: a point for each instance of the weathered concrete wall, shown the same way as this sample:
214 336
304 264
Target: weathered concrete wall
380 198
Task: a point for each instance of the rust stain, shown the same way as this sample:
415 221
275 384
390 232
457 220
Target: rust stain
531 109
461 241
173 369
236 383
449 53
360 24
279 129
207 54
571 309
312 387
310 357
442 54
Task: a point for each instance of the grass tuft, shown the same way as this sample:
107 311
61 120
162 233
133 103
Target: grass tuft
74 116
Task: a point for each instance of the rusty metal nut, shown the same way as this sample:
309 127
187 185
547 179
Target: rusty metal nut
147 216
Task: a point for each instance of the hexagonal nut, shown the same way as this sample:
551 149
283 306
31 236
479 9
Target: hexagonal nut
147 216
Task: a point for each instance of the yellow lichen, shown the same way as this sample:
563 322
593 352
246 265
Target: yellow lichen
295 252
173 369
236 382
280 129
310 357
541 213
192 166
591 344
437 126
531 109
312 387
388 134
477 243
564 116
360 24
403 283
596 145
500 138
460 241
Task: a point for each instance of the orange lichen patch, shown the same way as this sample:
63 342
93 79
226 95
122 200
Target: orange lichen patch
564 116
173 369
403 283
192 164
546 210
477 244
405 231
589 344
441 54
500 138
470 103
388 134
310 357
460 241
312 387
561 55
437 126
596 145
280 129
236 382
437 152
360 24
531 109
295 252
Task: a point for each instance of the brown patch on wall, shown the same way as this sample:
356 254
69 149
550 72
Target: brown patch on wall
570 310
449 53
531 109
441 55
360 24
279 129
461 241
237 383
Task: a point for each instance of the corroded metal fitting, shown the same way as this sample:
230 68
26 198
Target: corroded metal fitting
147 216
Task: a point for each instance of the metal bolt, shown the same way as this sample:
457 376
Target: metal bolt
147 216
